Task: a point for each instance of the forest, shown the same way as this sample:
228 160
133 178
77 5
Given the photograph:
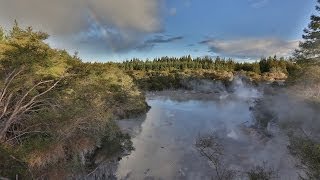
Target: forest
154 75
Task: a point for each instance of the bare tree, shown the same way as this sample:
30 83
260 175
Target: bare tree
210 147
14 104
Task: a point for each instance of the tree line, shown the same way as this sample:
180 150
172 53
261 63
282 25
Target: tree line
270 64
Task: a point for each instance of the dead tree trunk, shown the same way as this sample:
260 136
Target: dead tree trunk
14 106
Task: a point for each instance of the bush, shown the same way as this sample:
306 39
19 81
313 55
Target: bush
308 151
262 173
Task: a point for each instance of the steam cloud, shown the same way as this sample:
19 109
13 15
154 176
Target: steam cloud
246 146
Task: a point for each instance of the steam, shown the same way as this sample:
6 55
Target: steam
286 112
205 86
245 144
244 90
241 91
298 115
238 87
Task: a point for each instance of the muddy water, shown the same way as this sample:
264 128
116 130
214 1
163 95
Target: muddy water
164 139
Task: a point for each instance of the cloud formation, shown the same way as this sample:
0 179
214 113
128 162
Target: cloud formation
150 43
61 16
116 25
251 48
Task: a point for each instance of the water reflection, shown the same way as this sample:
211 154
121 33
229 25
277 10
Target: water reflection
164 144
164 139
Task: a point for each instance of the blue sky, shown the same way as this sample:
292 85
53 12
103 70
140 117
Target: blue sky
228 20
104 30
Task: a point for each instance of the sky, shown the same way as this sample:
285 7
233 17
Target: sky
116 30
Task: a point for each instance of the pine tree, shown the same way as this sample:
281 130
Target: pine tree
309 48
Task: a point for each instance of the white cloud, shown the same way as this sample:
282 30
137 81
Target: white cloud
251 48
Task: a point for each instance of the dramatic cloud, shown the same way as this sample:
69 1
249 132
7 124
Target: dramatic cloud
150 43
69 16
118 24
251 48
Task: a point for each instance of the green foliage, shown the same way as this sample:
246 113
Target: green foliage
11 167
157 81
24 48
305 82
73 104
172 73
205 63
115 141
1 34
273 64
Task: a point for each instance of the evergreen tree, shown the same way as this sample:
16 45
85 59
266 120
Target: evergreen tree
309 48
